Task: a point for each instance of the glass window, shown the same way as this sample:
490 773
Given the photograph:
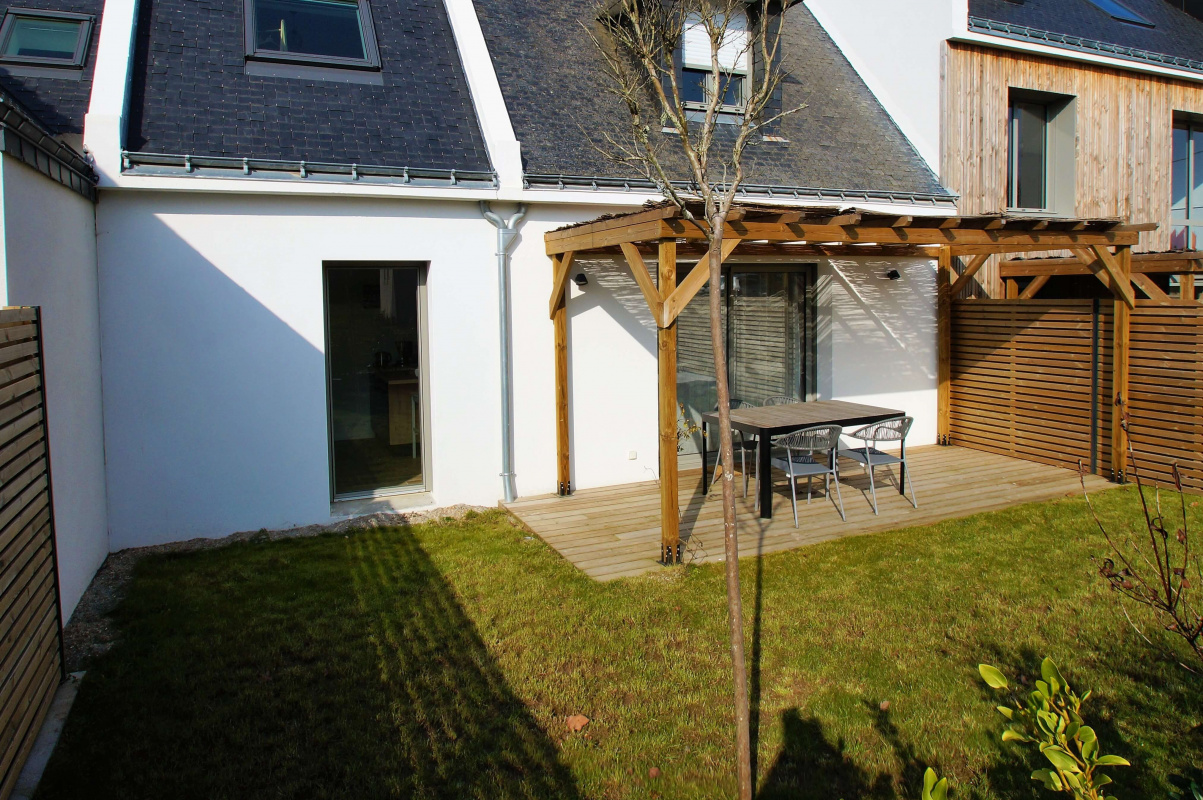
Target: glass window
323 31
1028 144
696 87
1186 214
1121 12
373 319
44 37
732 55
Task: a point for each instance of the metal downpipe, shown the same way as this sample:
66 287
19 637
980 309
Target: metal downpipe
507 231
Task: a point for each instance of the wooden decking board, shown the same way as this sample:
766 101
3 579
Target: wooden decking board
614 532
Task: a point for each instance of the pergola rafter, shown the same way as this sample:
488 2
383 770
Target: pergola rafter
811 231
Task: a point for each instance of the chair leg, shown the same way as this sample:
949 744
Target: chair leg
910 479
743 462
793 495
872 486
840 497
808 489
757 473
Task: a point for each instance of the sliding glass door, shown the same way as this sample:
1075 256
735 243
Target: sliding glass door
768 332
374 353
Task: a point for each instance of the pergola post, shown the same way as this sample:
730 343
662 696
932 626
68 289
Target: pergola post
1119 368
944 346
559 318
666 336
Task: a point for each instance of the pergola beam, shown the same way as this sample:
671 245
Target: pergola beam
643 278
1121 282
1142 263
561 265
675 303
976 264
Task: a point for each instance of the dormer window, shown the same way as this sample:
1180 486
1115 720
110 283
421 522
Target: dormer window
44 38
697 79
331 33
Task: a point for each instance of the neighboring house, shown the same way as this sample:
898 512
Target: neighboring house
48 258
1081 108
300 311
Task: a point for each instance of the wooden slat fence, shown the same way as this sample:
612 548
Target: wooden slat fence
31 654
1166 392
1032 379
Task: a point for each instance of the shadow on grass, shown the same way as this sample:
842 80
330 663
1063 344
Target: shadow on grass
809 766
324 668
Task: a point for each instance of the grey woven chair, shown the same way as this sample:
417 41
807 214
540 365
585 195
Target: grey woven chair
780 400
808 453
869 457
746 442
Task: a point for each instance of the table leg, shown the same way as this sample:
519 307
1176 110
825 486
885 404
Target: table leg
764 453
705 457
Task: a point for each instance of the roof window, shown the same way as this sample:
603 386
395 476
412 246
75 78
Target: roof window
45 38
335 33
1121 12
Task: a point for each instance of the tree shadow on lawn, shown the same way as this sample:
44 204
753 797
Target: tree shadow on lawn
311 668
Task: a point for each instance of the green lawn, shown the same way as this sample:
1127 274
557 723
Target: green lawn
441 662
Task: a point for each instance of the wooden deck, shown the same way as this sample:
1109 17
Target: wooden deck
615 531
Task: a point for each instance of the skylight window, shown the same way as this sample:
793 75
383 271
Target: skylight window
325 32
1121 12
48 38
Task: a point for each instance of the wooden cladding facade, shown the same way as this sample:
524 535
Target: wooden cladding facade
31 653
1033 379
1123 123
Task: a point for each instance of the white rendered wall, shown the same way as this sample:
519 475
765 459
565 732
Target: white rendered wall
877 337
214 342
897 48
50 261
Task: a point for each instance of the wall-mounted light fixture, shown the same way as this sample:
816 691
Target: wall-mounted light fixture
894 275
581 280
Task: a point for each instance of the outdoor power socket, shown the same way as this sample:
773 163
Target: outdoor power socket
632 455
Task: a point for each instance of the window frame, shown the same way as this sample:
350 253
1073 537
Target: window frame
1191 225
1013 154
742 72
86 22
367 30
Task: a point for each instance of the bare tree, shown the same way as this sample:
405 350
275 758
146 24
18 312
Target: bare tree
1157 569
688 135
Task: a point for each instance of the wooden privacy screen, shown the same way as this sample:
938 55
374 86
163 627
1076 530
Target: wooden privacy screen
1166 392
1030 379
31 655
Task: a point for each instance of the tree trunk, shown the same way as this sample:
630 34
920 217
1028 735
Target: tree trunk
743 742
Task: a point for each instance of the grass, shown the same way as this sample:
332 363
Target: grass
441 662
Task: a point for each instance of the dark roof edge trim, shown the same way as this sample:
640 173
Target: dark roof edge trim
1064 40
165 164
23 138
600 184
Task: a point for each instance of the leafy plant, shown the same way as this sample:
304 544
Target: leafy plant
686 427
1050 717
934 787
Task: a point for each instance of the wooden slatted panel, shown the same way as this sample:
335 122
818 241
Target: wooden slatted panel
30 622
1166 391
1030 379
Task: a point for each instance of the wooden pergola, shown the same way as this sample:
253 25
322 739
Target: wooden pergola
1102 246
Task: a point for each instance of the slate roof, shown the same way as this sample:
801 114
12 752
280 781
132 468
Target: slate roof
1175 33
192 96
58 103
556 91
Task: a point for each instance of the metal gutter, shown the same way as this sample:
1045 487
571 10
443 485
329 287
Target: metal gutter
605 184
174 165
23 138
1010 30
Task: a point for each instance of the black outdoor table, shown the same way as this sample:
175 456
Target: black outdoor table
768 421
